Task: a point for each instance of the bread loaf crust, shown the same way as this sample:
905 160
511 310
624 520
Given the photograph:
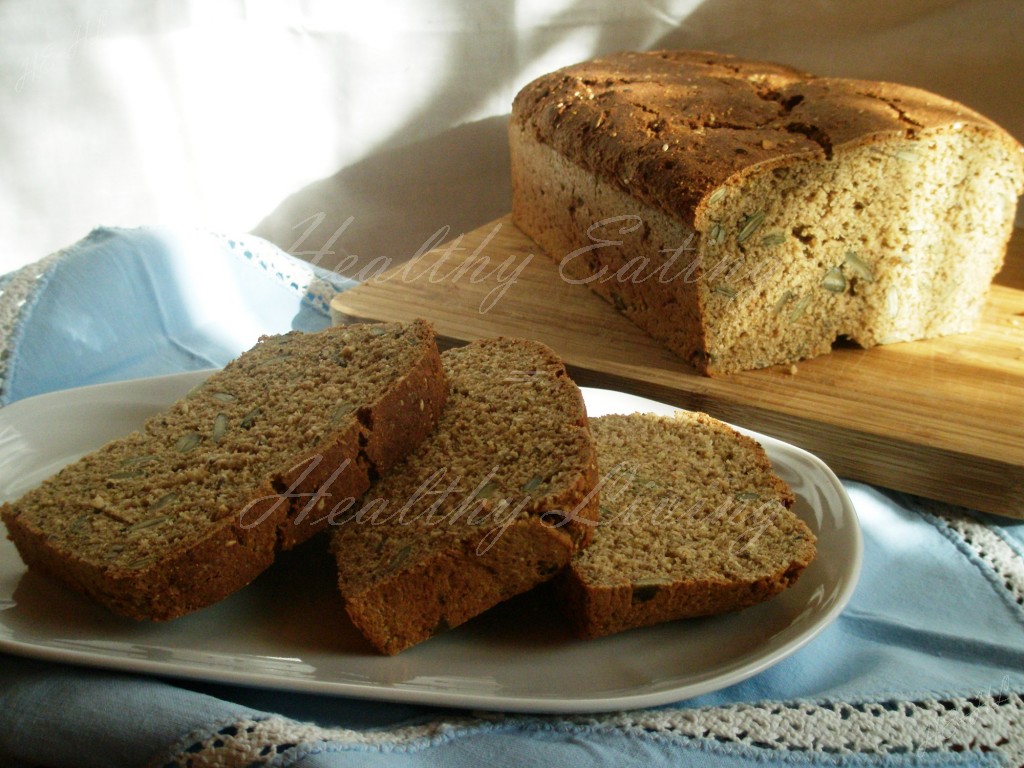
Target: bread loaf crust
237 546
747 214
723 116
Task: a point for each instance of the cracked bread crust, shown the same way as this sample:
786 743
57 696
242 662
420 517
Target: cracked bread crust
195 505
746 214
718 116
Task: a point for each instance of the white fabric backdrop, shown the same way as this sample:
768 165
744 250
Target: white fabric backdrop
339 128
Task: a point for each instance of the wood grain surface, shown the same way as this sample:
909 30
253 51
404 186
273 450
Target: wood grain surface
942 418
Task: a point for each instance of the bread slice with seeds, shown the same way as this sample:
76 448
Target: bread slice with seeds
694 522
497 501
193 506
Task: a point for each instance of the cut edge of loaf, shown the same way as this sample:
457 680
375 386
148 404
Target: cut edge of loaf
398 595
641 592
229 553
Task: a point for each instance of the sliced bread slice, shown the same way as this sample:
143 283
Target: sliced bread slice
497 501
694 522
193 506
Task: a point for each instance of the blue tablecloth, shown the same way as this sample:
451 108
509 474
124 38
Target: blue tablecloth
924 667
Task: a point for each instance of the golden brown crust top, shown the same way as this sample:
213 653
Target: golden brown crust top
671 126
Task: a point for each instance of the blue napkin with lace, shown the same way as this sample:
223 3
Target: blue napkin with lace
124 304
925 667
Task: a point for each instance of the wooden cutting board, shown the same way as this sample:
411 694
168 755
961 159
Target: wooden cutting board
943 419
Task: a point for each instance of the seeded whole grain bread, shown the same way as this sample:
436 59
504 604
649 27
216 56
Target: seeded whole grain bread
497 501
193 506
747 214
694 522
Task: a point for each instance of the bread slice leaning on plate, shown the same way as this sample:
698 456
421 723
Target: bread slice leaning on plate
194 505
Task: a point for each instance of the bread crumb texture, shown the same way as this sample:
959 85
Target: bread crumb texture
497 501
747 214
693 522
193 505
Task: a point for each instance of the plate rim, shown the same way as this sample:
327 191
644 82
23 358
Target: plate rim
570 704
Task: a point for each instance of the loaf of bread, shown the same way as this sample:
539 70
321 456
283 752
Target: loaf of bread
193 506
747 214
497 501
694 522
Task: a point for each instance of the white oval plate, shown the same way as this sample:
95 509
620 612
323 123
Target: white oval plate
288 630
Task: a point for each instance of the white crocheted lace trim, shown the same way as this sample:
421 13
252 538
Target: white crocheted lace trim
1005 561
303 278
18 290
992 723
